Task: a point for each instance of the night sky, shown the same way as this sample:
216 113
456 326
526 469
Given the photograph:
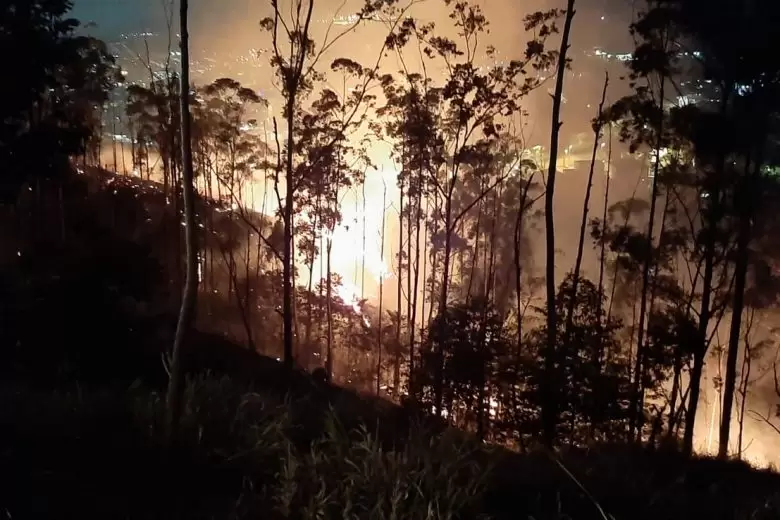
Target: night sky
116 16
220 17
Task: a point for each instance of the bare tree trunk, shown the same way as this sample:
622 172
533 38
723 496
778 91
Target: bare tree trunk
695 389
309 304
293 83
636 386
597 126
320 296
294 303
415 287
122 151
603 252
461 253
702 343
175 394
329 290
363 267
381 297
745 380
745 199
616 272
131 131
475 253
518 238
259 245
397 370
287 254
435 260
425 261
443 299
329 311
549 391
677 370
113 136
409 325
490 289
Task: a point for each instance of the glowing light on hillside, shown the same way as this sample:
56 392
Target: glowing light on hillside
348 242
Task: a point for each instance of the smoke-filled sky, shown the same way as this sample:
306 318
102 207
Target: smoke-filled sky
230 27
225 38
225 32
224 17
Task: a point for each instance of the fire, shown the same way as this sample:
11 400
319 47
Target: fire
362 223
349 257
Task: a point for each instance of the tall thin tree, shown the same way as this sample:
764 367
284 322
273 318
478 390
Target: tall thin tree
381 291
645 305
189 299
598 124
549 410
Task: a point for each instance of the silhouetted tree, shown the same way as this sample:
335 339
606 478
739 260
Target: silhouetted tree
295 58
474 105
50 111
468 342
189 298
590 370
550 409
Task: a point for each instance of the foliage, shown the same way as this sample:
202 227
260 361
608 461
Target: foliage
95 292
470 338
591 369
49 111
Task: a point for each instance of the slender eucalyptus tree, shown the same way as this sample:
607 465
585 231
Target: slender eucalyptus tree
549 409
175 394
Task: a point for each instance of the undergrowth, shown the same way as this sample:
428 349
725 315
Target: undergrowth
304 463
247 453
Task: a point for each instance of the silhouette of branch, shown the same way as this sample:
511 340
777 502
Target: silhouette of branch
485 192
278 164
476 201
242 212
766 419
369 76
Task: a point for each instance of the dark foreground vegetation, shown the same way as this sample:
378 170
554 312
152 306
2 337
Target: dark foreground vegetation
91 274
259 451
82 406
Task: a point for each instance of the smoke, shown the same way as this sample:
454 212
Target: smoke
228 42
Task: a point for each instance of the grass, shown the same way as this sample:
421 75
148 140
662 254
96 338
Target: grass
260 452
242 454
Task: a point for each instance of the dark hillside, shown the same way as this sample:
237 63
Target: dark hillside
81 408
95 454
